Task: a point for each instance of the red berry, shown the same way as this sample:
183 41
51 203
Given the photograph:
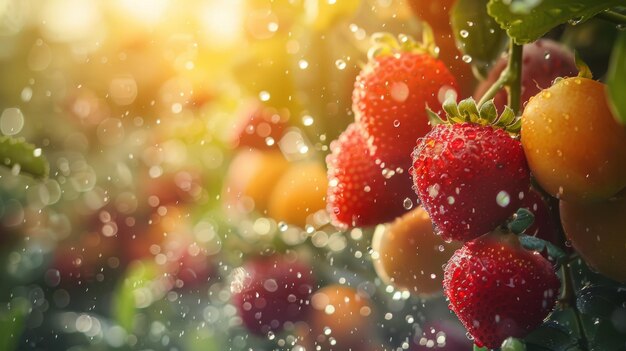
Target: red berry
390 98
360 191
498 289
259 127
469 178
542 62
270 291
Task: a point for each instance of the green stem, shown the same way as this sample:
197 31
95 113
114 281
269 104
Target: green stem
568 293
510 78
613 16
568 299
515 77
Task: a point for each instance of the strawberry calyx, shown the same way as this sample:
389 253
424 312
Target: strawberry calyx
384 43
467 111
518 224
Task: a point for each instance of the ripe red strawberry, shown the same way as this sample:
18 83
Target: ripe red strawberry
360 191
260 127
389 100
499 289
469 178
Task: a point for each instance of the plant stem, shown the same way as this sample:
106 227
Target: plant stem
509 78
568 299
514 85
568 294
613 16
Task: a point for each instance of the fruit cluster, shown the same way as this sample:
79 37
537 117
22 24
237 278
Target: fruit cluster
472 171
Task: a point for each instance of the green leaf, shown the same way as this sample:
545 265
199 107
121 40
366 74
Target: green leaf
513 344
616 79
477 348
12 323
523 219
138 281
526 21
532 243
488 111
551 336
451 108
600 301
506 117
536 244
468 109
476 33
15 152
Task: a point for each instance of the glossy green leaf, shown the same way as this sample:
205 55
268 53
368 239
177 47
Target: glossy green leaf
523 219
488 111
536 244
616 79
476 33
21 156
551 336
600 301
12 323
527 21
513 344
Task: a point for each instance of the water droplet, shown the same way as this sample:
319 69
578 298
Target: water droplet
546 55
399 91
341 64
407 204
303 64
467 58
307 120
503 199
464 33
11 121
264 95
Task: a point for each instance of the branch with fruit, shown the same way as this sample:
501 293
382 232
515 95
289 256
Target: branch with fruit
557 152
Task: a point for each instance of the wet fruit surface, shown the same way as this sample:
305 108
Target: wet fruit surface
299 193
362 192
270 291
556 124
341 318
469 178
390 98
410 255
596 231
499 289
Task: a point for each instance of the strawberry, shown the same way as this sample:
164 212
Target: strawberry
499 289
469 177
391 94
360 192
259 127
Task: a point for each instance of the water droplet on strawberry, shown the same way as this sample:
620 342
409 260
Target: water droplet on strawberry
407 203
503 199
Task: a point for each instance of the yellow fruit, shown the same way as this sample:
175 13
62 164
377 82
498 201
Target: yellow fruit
411 255
342 314
251 177
300 192
574 147
597 232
